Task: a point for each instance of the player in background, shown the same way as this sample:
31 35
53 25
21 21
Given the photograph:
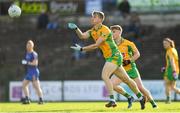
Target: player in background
102 36
172 68
130 55
32 73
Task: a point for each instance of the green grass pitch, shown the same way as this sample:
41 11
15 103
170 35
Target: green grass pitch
87 107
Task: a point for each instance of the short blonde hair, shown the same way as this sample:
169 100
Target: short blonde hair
117 27
100 14
170 41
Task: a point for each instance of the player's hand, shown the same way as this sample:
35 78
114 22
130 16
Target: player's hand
163 69
77 47
175 75
72 26
24 62
126 62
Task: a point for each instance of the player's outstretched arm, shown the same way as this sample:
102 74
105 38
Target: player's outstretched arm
93 46
80 34
89 47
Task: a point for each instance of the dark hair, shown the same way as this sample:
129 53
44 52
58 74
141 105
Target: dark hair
170 41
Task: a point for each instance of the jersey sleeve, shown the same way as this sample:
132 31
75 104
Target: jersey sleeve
89 32
134 48
35 56
105 33
170 54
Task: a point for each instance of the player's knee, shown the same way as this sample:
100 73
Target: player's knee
104 77
115 86
173 88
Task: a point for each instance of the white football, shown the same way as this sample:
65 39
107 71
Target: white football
14 11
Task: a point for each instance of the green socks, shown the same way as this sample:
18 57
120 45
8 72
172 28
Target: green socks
127 95
152 102
111 96
139 95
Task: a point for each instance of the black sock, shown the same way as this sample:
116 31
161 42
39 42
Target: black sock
168 98
26 97
40 98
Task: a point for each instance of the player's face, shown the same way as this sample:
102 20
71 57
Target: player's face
166 44
116 33
29 46
95 19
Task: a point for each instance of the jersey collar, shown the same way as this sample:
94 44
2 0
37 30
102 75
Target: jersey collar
97 27
120 41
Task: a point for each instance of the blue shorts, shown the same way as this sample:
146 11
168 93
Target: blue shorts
29 76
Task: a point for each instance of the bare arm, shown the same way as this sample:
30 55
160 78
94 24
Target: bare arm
136 55
82 35
33 63
93 46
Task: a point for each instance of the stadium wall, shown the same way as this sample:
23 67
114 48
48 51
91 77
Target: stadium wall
83 91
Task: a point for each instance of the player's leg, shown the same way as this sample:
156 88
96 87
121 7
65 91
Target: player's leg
36 85
167 90
173 87
145 91
121 73
116 81
107 71
25 88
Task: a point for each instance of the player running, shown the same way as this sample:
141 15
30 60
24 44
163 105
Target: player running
102 36
130 55
172 68
32 73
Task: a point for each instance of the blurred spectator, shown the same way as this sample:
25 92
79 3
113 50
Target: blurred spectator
108 5
124 8
133 29
53 24
135 19
43 20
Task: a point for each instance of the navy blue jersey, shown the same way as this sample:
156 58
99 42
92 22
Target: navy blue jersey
29 58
